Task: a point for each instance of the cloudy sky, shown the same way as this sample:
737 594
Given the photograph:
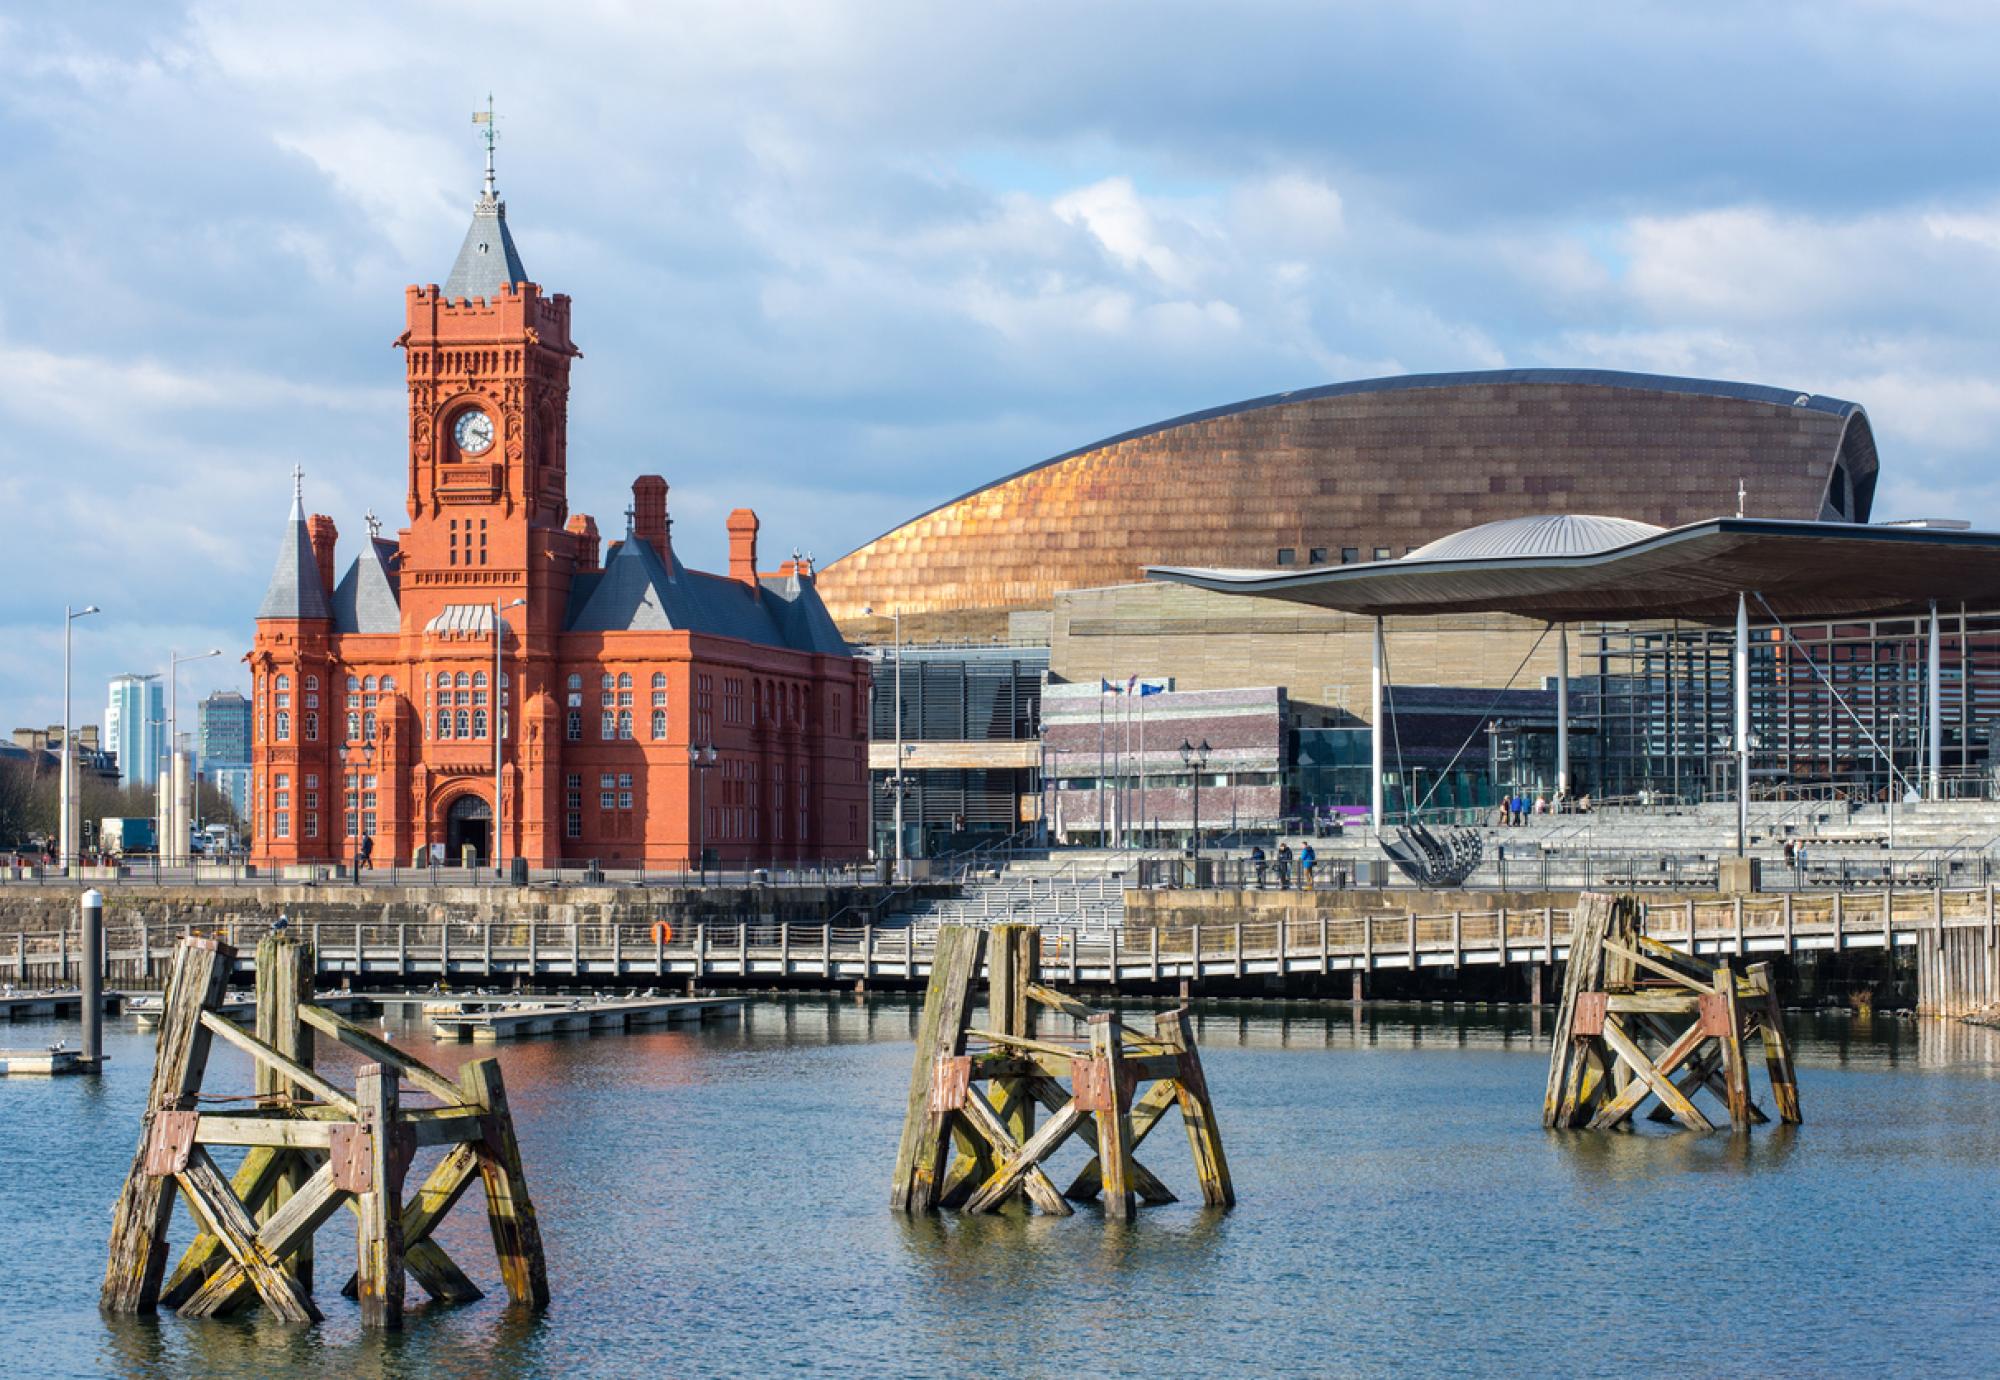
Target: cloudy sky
839 261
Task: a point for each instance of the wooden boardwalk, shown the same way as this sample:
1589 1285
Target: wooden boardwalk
1951 931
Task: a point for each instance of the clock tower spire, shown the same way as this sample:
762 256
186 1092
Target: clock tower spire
488 359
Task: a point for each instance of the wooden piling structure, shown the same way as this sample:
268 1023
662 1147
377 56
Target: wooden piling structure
1002 1150
312 1149
1617 1044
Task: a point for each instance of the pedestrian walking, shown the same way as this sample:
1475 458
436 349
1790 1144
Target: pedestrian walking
1284 867
1307 861
368 851
1258 862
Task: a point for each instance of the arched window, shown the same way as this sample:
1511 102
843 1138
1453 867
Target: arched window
624 680
368 725
659 680
479 723
625 724
479 680
659 724
464 725
368 682
463 680
353 682
284 682
312 682
575 681
388 683
606 682
284 725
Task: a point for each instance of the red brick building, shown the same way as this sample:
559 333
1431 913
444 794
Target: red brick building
377 696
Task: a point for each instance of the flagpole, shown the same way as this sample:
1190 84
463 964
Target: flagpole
1142 758
1101 684
1125 773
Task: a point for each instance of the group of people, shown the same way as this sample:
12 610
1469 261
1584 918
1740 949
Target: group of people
1795 852
1308 860
1515 808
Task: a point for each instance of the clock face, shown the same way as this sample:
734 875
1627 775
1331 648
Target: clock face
473 431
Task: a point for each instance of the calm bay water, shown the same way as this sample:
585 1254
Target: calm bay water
714 1202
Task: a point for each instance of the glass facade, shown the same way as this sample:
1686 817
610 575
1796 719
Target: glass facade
965 695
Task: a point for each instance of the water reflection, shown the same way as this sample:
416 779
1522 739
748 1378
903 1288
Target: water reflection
714 1201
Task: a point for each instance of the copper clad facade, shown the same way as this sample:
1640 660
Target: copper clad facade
1369 469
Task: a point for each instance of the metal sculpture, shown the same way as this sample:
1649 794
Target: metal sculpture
1432 860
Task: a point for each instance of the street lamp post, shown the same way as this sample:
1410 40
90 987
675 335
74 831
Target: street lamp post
66 828
701 757
176 820
1195 759
896 615
498 723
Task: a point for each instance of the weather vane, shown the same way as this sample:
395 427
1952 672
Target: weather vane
298 481
491 134
373 523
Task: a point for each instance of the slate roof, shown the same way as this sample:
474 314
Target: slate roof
637 592
295 591
367 600
487 261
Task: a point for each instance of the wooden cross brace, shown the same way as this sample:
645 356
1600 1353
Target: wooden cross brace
1622 988
312 1149
1000 1152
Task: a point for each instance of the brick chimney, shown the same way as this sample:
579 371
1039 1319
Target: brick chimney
583 527
743 547
649 515
323 534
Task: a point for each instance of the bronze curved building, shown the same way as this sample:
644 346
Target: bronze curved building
1355 472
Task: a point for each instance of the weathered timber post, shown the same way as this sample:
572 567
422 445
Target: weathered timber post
1013 963
517 1232
1113 1108
378 1244
941 1029
138 1257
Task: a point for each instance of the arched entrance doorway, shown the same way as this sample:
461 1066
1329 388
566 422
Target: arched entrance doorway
468 820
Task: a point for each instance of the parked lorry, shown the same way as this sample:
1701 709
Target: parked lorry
122 835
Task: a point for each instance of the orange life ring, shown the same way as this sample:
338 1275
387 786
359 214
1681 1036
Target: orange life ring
663 933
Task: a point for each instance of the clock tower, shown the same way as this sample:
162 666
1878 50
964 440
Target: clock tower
487 364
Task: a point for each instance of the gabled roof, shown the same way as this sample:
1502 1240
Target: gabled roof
366 600
637 591
487 261
295 591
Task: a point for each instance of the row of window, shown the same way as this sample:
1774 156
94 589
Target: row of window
1316 555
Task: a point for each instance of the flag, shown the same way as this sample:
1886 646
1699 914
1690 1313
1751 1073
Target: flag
1131 684
1105 687
1145 690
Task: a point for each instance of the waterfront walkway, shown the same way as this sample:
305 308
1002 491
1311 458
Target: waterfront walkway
1952 932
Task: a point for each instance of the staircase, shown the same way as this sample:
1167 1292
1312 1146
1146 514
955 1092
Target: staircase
1080 888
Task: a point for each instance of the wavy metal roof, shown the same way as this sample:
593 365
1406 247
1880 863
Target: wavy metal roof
1476 378
1801 569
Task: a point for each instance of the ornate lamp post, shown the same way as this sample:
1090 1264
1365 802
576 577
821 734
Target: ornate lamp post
701 759
1195 759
